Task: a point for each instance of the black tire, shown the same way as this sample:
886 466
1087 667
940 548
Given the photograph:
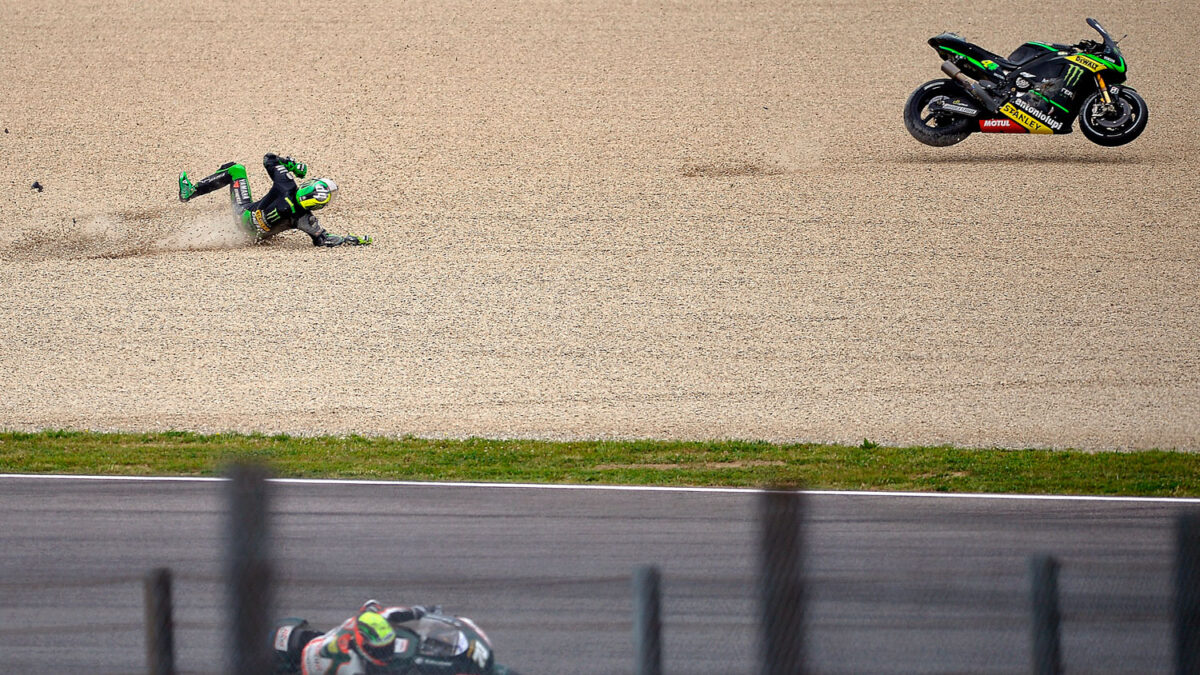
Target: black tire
938 130
287 656
1118 128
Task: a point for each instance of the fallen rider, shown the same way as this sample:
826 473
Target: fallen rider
288 205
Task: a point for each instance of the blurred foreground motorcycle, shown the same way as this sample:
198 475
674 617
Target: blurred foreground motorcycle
431 643
1039 89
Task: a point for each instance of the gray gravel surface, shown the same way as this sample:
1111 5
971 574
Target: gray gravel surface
593 219
897 584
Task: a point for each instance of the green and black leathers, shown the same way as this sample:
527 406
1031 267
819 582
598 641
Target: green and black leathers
276 212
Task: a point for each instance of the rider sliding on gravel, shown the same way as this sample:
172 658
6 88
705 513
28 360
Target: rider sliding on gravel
287 205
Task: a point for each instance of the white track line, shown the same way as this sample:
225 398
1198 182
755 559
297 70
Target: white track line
613 488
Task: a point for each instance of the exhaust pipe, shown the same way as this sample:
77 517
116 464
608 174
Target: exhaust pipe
970 85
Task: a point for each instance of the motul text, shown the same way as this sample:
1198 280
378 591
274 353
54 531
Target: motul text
1000 127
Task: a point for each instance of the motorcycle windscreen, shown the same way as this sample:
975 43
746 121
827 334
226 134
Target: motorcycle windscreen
440 639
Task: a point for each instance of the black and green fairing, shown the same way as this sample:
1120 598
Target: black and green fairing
1046 83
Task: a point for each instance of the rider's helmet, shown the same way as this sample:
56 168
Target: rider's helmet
374 638
315 194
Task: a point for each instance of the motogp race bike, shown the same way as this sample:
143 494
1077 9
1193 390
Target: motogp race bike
1039 89
433 644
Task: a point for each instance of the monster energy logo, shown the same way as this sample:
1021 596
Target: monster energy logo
1073 74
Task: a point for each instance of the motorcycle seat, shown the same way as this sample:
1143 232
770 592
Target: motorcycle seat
954 43
996 58
1018 58
1005 64
1030 51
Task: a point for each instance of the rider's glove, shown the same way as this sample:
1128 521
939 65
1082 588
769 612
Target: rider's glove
298 168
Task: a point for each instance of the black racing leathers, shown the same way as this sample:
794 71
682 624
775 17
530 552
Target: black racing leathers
279 210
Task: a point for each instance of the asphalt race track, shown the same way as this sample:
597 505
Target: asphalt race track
898 584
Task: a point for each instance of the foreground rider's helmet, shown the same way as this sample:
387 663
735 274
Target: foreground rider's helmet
315 194
374 638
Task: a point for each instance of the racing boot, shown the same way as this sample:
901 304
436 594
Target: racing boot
224 176
186 189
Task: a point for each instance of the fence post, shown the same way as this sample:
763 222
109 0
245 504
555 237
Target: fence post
249 571
1187 595
160 627
647 622
1043 572
781 588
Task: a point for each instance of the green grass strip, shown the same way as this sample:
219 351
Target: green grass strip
724 463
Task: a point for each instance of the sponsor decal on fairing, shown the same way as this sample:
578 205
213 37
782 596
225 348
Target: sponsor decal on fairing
1087 62
1025 120
1001 126
479 653
1073 75
1038 114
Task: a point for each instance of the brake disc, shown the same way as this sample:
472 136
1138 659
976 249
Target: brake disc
1109 122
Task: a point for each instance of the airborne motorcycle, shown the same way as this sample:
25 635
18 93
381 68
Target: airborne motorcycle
433 643
1039 89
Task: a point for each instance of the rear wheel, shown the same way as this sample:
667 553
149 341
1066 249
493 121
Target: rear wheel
931 127
1115 124
287 640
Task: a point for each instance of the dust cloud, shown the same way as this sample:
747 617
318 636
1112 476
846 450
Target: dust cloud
123 235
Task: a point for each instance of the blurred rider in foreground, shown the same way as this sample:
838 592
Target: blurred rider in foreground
365 644
288 205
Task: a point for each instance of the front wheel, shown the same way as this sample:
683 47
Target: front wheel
932 126
1115 124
